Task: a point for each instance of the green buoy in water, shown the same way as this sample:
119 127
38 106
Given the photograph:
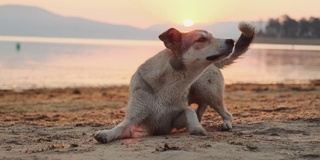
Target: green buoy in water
18 46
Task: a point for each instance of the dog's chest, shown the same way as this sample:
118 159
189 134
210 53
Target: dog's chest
161 120
167 108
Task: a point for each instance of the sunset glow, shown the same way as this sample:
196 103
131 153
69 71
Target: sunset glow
145 13
188 23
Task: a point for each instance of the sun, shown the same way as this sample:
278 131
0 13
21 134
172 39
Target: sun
188 23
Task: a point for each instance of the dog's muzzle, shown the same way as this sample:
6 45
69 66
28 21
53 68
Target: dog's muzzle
229 44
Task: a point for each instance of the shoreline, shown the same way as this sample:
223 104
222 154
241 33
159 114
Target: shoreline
302 83
70 40
288 41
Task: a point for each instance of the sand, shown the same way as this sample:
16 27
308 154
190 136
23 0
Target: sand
271 121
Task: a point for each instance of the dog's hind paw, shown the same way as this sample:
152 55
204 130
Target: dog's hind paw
198 131
224 127
104 136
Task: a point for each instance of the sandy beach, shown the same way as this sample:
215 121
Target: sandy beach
271 121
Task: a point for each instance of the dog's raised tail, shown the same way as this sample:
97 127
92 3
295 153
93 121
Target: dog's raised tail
242 44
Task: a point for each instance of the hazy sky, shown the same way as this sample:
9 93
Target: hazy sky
144 13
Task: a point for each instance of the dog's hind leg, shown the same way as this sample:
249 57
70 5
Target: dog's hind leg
200 110
188 118
216 102
218 105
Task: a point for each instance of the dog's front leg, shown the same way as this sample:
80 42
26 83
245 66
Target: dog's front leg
188 118
136 114
122 130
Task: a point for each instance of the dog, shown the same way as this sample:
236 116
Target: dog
162 87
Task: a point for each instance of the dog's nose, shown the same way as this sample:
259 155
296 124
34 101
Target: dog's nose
229 42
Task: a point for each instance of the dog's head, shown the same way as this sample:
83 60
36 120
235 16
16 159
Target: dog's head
195 47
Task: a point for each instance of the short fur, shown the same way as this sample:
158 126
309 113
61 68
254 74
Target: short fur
162 87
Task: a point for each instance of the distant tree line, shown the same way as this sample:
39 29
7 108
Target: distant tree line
286 27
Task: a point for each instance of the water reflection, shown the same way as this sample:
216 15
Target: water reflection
275 66
113 62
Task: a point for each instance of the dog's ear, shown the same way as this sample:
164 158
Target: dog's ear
171 38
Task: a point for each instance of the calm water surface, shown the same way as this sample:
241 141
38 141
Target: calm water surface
51 62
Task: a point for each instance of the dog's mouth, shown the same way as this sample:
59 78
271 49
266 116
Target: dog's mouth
223 54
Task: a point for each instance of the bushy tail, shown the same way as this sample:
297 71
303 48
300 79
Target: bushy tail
242 44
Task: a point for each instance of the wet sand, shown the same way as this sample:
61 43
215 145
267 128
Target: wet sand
271 121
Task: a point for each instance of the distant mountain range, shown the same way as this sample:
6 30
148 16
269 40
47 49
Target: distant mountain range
17 20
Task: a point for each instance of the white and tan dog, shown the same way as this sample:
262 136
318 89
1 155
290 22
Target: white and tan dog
187 71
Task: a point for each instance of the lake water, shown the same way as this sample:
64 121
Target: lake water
56 62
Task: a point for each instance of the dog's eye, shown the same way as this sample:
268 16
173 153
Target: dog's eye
202 39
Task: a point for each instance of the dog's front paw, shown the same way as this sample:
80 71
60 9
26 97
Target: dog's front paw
104 136
198 131
225 127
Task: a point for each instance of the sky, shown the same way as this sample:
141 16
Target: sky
145 13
